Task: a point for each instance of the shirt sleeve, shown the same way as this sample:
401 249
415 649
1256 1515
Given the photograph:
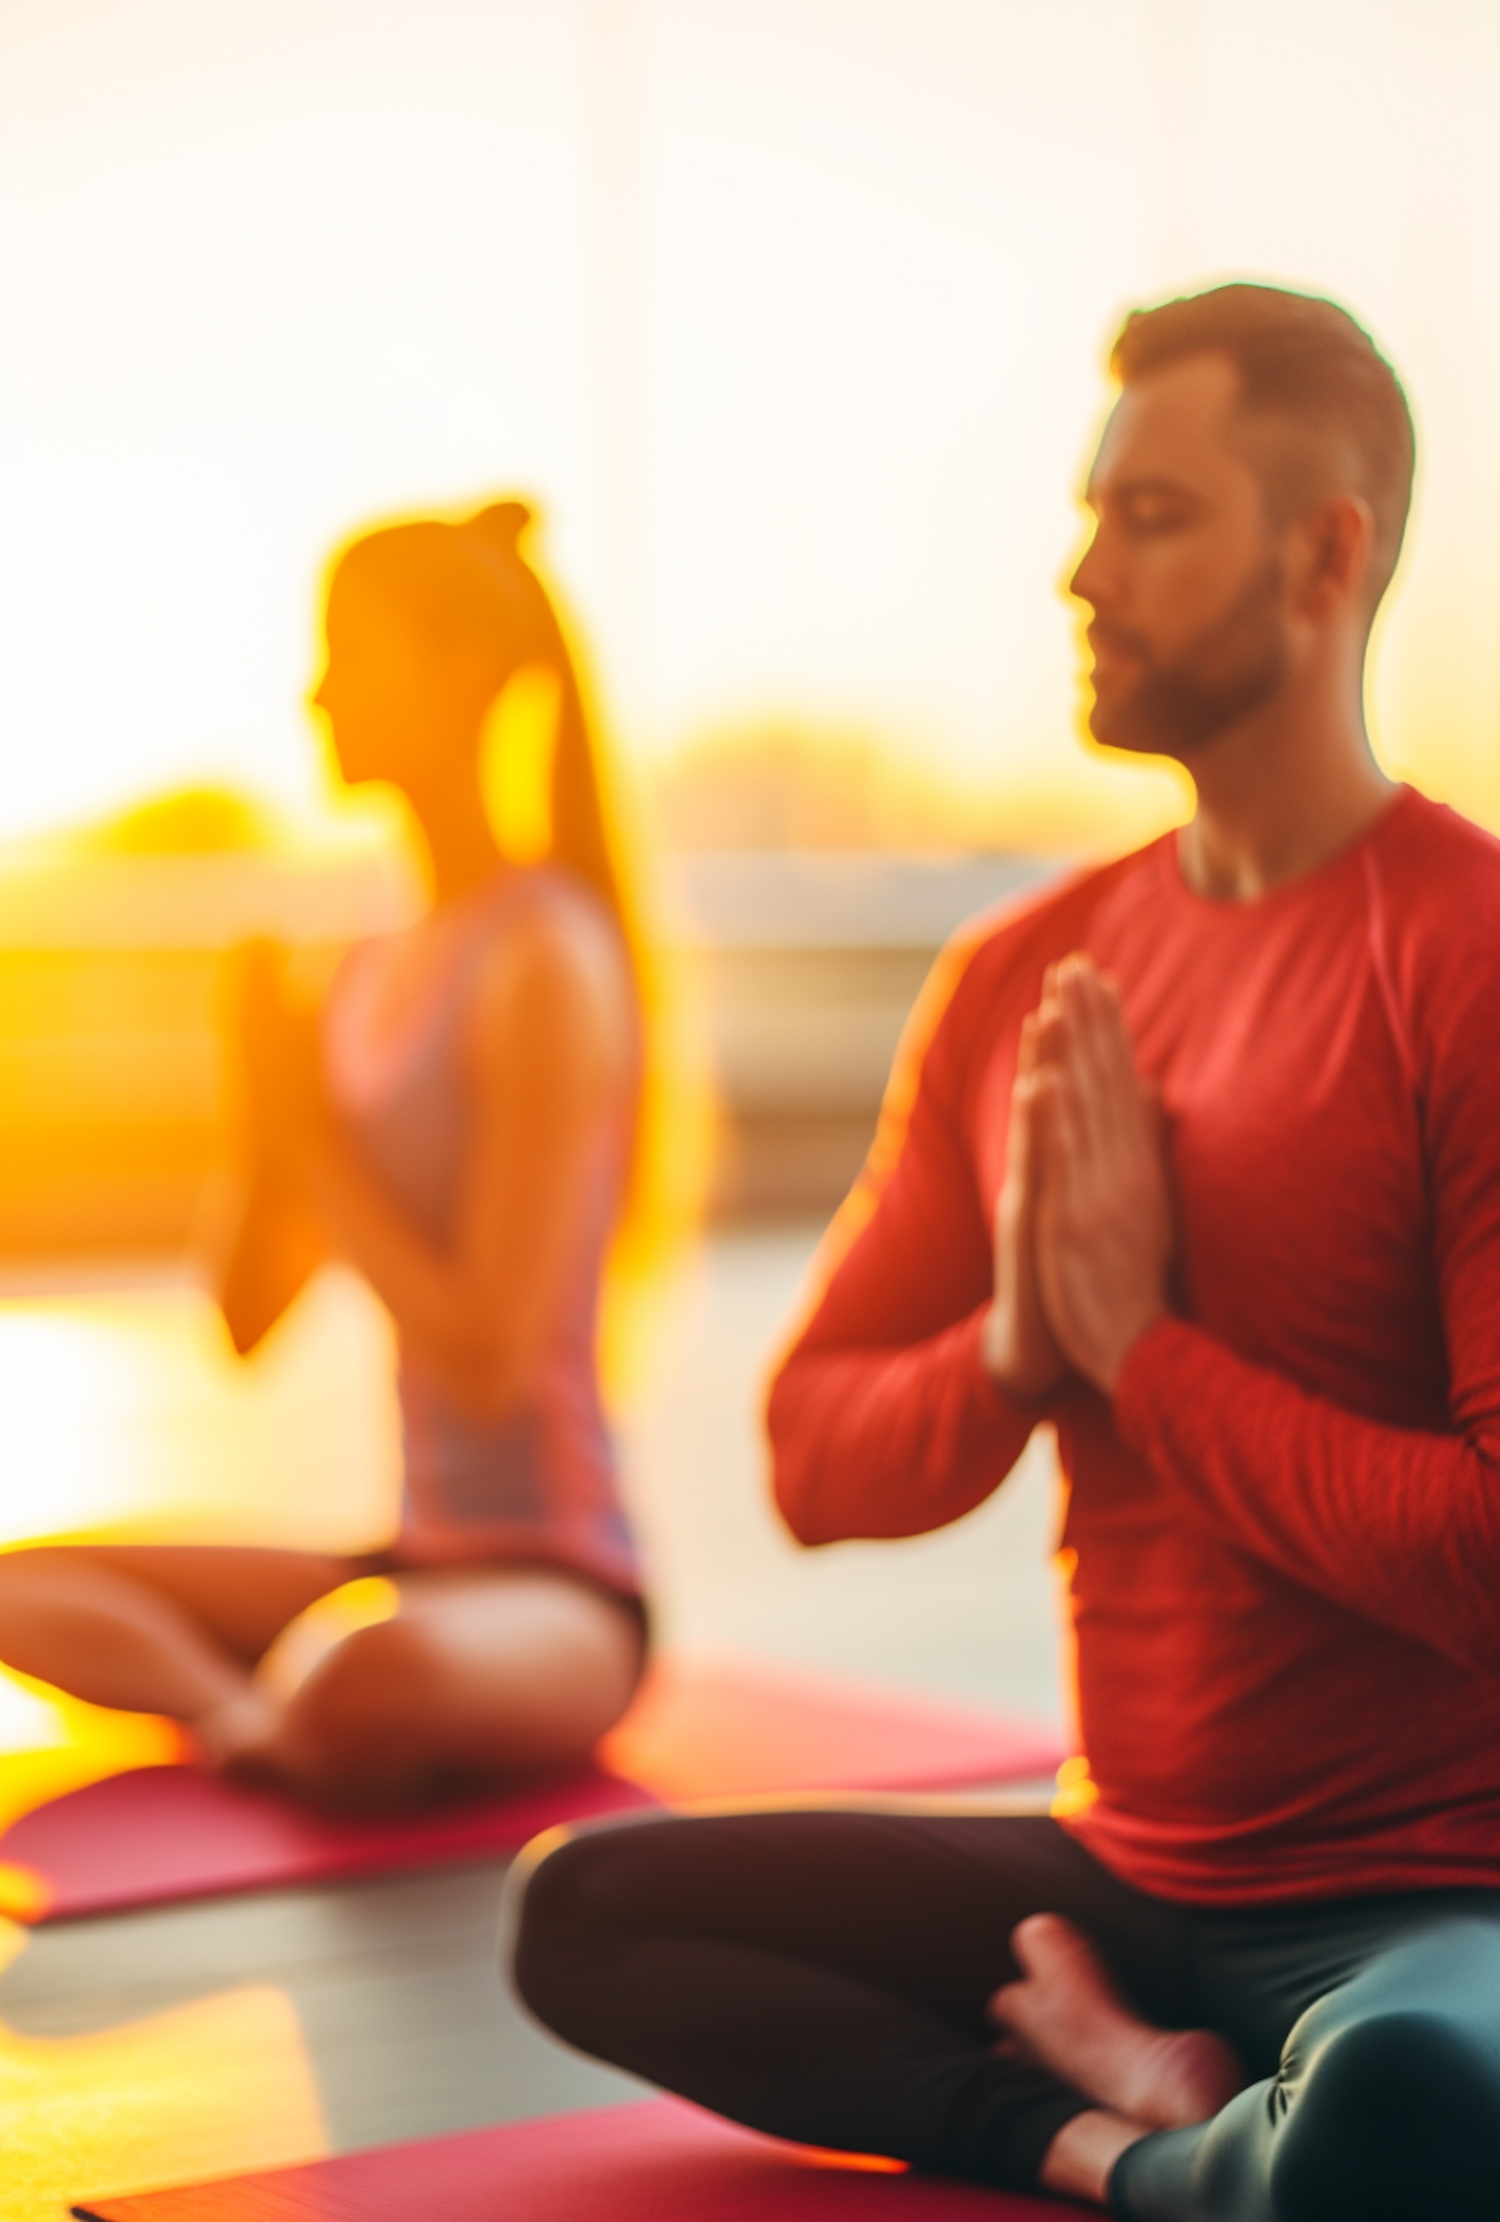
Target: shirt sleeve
883 1421
1400 1526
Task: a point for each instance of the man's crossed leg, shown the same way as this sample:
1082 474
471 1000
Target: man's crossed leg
831 1977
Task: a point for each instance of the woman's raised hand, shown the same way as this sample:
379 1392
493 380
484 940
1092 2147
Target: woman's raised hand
279 1057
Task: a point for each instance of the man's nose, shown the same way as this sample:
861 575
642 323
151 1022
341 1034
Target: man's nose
1090 580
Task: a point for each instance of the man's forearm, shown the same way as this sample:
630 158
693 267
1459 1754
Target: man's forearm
1399 1526
891 1442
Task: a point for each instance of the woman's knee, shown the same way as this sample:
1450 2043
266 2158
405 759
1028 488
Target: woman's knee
44 1587
40 1570
28 1585
1392 2112
367 1707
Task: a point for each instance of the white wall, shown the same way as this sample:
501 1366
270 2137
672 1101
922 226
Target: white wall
792 312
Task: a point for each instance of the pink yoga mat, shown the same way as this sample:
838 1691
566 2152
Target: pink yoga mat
163 1833
661 2161
698 1730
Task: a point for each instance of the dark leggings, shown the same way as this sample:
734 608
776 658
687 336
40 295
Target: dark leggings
823 1975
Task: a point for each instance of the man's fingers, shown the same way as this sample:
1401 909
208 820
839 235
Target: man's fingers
1104 1060
1079 1034
1057 1125
1138 1101
1080 1055
1026 1051
1019 1149
1043 1116
1046 1021
1116 1046
1103 1026
1028 1058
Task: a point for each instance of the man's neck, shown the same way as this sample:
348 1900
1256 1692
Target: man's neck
1279 794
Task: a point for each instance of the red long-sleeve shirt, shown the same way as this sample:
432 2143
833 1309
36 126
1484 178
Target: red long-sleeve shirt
1283 1535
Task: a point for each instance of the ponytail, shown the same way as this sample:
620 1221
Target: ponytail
580 841
670 1137
468 582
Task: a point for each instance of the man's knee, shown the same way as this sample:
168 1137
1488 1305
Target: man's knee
1393 2112
557 1923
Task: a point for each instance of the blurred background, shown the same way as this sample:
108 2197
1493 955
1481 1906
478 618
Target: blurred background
792 315
793 319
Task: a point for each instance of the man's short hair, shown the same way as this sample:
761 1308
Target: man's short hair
1305 365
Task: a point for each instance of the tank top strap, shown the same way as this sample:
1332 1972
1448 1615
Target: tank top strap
368 1057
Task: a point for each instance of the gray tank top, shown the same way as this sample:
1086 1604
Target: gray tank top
538 1484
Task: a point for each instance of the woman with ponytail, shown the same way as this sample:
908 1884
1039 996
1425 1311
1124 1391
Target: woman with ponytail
457 1122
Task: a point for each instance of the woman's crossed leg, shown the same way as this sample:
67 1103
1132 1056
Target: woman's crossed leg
471 1672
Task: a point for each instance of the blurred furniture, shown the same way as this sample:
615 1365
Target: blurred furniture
813 961
112 1072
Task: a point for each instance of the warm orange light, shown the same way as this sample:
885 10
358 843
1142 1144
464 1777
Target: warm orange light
515 763
1076 1789
58 1744
217 2087
314 1633
127 1417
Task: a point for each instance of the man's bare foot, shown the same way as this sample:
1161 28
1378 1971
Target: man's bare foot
1081 2158
1067 2014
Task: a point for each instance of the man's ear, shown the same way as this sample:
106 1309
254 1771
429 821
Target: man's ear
1335 539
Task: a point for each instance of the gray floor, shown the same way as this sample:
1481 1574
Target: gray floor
408 2027
395 1984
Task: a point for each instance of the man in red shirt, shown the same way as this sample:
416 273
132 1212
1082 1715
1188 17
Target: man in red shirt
1197 1157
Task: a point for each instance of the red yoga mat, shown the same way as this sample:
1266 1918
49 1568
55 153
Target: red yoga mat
699 1730
661 2161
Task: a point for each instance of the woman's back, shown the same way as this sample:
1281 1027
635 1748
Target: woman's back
531 1475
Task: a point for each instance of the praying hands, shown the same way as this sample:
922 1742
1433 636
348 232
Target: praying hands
1083 1229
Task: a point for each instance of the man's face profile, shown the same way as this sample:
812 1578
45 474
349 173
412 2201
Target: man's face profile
1183 573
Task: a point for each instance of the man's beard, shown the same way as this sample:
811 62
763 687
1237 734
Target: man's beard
1231 668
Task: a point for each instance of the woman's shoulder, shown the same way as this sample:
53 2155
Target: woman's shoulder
557 959
555 925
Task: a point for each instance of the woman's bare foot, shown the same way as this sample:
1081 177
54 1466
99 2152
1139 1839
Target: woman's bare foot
239 1736
1067 2014
250 1738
